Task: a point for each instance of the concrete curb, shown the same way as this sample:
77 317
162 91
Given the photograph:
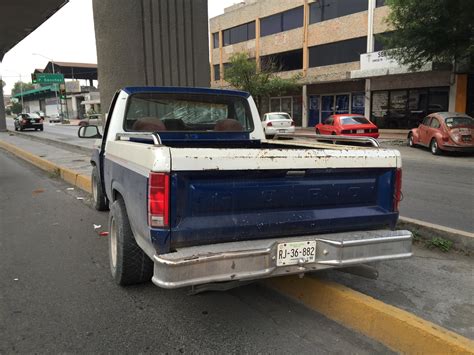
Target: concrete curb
81 181
396 328
53 142
393 327
462 240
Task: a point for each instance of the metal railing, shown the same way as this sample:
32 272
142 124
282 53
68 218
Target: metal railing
154 136
322 137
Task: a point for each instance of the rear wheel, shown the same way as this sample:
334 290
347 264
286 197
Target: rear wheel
41 128
128 263
410 142
317 131
98 196
434 147
16 128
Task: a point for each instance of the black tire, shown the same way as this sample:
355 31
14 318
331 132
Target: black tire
434 147
16 128
410 142
21 128
98 197
41 128
269 136
128 263
317 131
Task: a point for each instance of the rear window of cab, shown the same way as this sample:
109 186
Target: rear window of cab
192 112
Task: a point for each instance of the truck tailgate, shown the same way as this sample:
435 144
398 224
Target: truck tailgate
223 195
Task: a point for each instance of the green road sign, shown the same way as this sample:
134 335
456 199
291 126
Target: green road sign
43 78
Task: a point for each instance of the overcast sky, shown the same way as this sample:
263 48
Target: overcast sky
68 36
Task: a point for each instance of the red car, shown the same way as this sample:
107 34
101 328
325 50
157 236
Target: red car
444 131
347 125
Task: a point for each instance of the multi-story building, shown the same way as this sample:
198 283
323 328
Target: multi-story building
335 47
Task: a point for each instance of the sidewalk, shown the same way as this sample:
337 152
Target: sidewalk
77 161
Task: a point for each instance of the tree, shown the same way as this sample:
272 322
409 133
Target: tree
16 108
21 86
242 74
2 83
431 31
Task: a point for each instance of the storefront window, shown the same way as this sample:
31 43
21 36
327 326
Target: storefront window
378 115
403 109
358 103
438 100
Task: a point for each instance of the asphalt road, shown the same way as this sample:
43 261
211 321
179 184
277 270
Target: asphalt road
438 189
56 294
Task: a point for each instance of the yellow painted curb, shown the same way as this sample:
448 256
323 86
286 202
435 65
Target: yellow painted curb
81 181
394 327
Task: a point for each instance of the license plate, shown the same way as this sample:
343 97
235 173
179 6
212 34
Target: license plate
281 131
466 138
296 252
360 131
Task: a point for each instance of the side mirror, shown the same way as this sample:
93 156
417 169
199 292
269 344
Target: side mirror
89 132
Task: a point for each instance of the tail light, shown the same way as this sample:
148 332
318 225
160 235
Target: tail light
23 121
292 123
397 195
269 124
158 200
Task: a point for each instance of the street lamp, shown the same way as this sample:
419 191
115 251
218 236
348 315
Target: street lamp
55 91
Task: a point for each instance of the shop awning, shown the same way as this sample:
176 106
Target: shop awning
33 92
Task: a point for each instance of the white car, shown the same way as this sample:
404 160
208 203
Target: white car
277 122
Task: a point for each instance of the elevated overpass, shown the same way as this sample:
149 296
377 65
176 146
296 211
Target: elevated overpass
17 20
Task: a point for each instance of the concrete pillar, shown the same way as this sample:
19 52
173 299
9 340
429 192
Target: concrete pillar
304 122
367 99
3 122
151 43
458 93
370 26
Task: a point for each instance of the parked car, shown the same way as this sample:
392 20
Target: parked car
277 122
28 120
347 125
198 196
444 131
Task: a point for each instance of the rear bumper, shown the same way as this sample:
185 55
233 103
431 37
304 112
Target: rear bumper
275 130
458 148
248 260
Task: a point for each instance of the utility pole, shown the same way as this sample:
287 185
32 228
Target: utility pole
3 122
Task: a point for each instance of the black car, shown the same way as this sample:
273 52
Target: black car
28 120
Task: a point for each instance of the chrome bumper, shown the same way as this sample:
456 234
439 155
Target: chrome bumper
255 259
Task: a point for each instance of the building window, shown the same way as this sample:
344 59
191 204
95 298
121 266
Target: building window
226 66
285 61
215 40
283 21
323 10
379 3
404 109
337 52
217 72
239 34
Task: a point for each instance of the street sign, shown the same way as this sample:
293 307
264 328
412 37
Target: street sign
46 78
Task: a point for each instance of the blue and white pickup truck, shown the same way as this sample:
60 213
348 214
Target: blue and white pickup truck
197 195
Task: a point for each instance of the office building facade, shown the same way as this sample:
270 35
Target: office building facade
335 48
